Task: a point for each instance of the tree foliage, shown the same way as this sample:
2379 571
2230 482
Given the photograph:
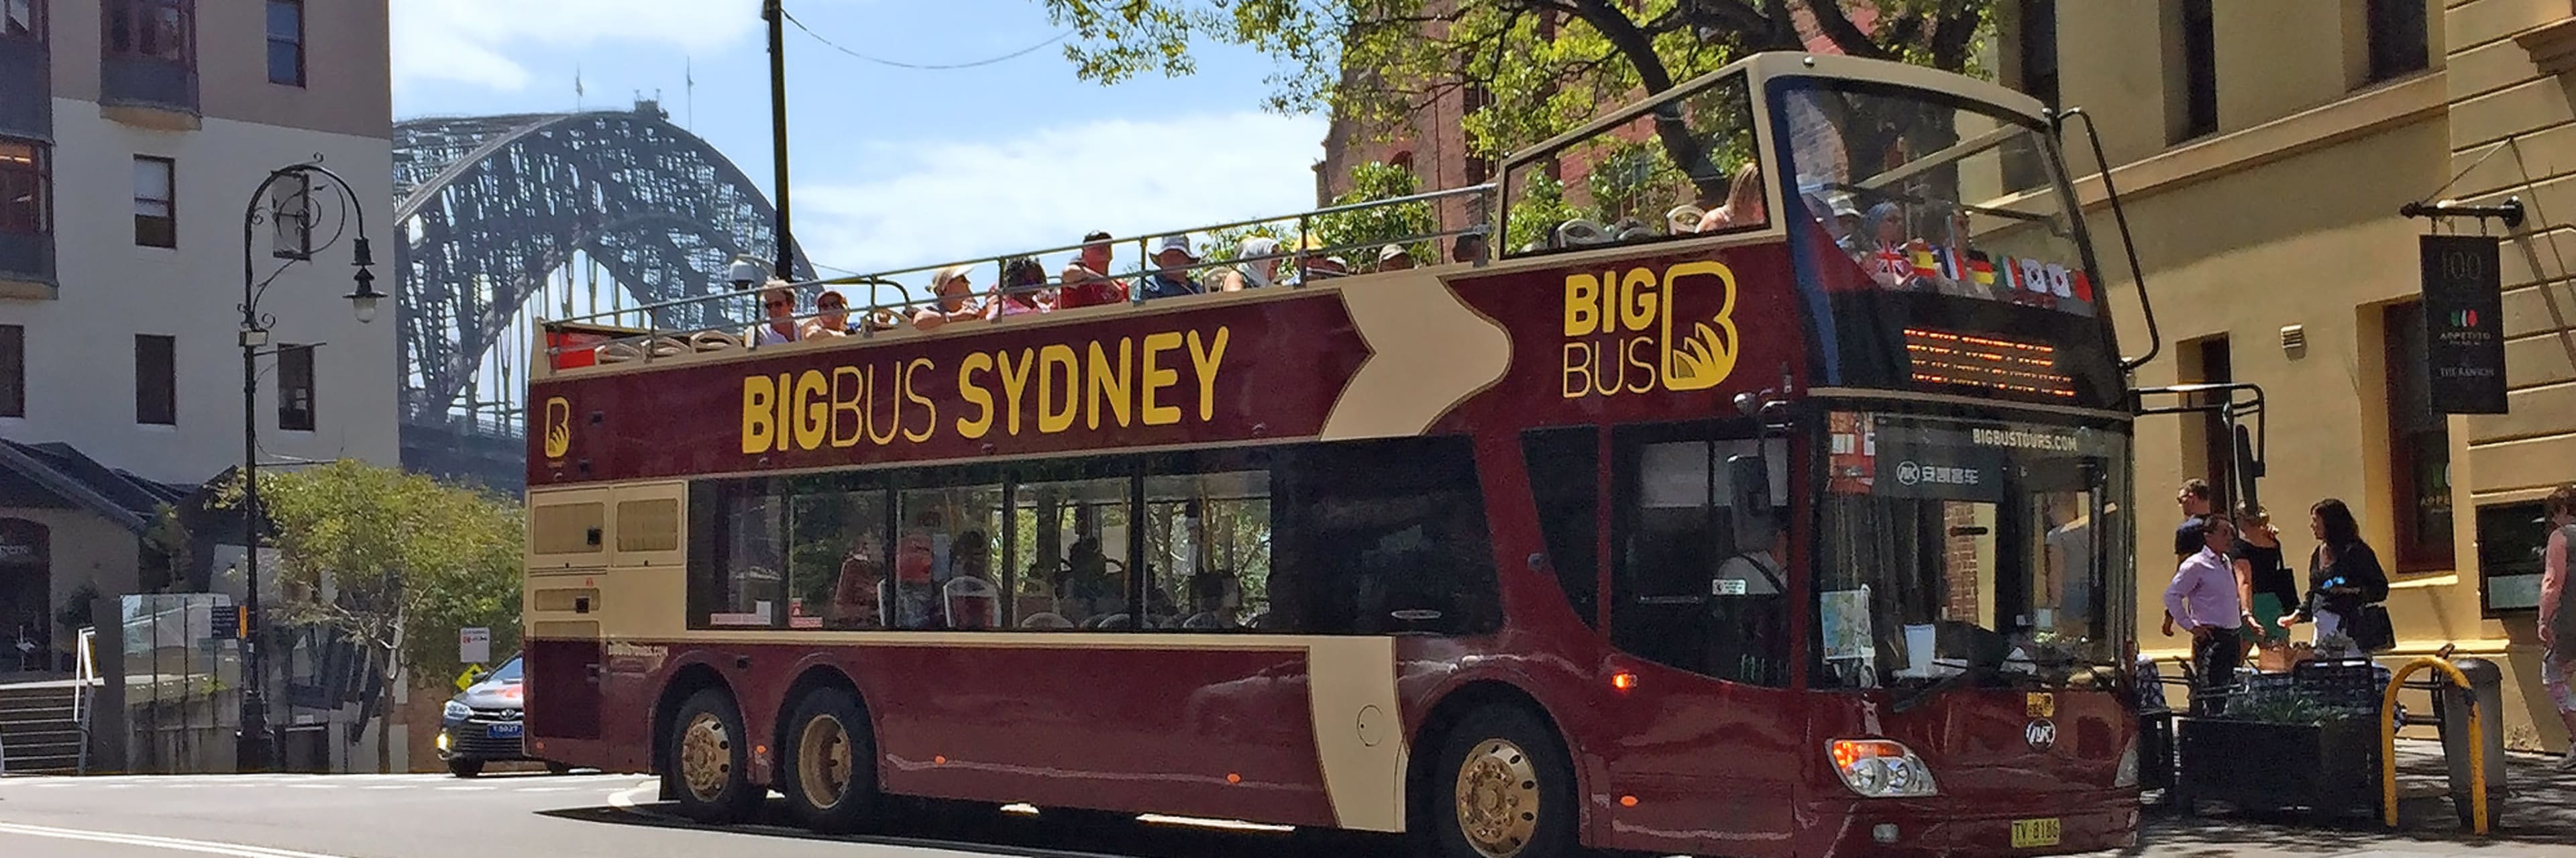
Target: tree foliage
397 561
1536 67
1376 225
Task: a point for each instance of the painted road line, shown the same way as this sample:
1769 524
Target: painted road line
625 800
234 850
466 788
543 789
315 786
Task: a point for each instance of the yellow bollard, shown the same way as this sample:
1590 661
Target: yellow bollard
2478 821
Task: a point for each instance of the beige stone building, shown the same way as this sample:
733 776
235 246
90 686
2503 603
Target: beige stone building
2263 150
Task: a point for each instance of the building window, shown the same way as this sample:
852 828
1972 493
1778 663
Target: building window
22 187
13 371
286 42
2198 43
151 29
2399 44
156 222
156 380
22 19
295 387
2419 447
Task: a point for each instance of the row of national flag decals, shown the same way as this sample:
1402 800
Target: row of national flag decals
2021 275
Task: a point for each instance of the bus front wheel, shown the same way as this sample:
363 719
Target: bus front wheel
1502 789
831 776
710 761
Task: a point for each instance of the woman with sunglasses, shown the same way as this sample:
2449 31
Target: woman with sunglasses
956 301
831 316
778 304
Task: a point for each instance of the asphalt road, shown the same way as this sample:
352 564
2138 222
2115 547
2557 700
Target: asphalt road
615 816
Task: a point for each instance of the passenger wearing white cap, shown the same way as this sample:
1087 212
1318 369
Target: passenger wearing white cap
1171 277
955 299
1393 258
1257 265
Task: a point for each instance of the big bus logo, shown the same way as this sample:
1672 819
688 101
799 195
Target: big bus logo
558 427
1621 330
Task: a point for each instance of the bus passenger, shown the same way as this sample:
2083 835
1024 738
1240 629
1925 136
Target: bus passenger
1021 291
832 317
1086 281
1171 276
778 305
857 596
1743 202
915 562
1252 270
1087 589
1884 246
955 302
1393 258
1469 247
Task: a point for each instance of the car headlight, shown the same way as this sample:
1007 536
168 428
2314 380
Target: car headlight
1879 768
2127 776
457 711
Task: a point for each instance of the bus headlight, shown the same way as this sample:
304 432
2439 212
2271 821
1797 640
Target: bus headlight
2127 776
1878 768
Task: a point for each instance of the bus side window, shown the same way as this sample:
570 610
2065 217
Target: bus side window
735 578
1207 549
1070 554
837 561
1385 537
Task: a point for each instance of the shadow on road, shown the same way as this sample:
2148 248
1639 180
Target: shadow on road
987 831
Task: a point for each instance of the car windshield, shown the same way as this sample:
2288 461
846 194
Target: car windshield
509 672
1964 546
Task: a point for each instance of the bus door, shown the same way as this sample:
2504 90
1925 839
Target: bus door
1700 613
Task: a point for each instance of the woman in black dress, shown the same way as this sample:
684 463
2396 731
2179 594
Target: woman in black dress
2264 584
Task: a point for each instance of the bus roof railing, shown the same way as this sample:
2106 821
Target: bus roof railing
646 336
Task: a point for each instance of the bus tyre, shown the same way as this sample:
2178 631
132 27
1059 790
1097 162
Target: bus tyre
709 775
464 768
1502 789
831 766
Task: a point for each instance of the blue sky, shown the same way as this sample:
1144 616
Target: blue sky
892 167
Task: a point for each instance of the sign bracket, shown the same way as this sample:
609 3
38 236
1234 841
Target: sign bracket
2509 211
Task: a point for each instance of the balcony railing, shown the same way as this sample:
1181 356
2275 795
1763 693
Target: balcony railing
26 257
148 82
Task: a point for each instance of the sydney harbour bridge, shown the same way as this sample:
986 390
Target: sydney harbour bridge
504 220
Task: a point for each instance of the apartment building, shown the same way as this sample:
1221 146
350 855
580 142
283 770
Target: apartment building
132 136
2262 151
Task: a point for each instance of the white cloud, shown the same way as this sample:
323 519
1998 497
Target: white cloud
465 40
943 200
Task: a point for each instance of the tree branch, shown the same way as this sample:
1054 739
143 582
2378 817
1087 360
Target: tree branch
1838 27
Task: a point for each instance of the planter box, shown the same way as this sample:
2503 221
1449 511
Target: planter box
2329 768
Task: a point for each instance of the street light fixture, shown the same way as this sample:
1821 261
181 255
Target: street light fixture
254 752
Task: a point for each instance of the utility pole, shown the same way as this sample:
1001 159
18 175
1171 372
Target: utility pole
776 14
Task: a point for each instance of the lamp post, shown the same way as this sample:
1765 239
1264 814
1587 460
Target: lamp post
253 752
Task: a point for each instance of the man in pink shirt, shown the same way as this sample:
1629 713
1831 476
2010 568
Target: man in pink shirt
1086 281
2202 600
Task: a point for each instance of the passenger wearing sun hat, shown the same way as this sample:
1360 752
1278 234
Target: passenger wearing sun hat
1393 258
1171 276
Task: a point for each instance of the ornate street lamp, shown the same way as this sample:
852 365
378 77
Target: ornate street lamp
256 743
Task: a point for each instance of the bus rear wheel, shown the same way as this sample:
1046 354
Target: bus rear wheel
1502 789
831 776
710 761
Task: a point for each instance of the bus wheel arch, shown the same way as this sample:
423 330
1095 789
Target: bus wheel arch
1505 718
827 752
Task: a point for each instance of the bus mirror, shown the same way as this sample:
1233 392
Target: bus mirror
1748 479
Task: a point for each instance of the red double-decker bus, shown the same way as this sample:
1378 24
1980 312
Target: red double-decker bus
1761 492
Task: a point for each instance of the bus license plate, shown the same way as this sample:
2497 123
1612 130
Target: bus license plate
2034 832
511 731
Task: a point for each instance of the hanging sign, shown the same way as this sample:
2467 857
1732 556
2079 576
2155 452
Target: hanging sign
2464 324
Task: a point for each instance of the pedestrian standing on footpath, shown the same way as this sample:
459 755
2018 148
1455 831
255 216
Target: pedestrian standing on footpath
2345 581
2263 582
2194 498
2558 614
2202 598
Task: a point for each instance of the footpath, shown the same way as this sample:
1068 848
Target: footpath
2538 818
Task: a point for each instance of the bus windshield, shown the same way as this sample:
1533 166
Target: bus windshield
1968 546
1936 224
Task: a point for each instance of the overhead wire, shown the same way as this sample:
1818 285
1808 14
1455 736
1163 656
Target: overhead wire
809 31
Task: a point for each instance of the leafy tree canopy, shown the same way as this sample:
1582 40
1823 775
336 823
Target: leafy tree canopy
1535 67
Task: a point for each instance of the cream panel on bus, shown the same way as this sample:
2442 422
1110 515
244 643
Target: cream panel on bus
1359 731
1428 351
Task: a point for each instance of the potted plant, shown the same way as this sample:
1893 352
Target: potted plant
2280 750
